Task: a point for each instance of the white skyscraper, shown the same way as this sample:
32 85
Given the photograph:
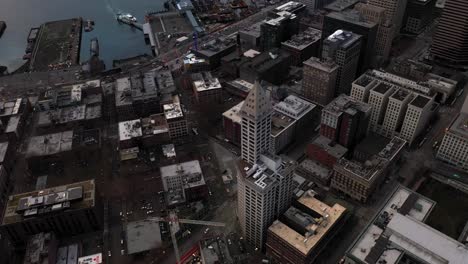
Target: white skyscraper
256 124
264 193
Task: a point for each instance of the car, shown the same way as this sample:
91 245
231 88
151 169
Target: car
109 253
121 241
129 212
152 157
149 212
122 252
120 213
206 230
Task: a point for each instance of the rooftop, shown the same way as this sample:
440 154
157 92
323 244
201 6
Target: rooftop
234 113
265 60
294 106
169 150
401 94
190 171
204 81
460 125
304 39
142 236
215 251
242 85
340 5
342 38
280 122
267 172
368 169
217 45
314 167
345 103
333 149
37 249
323 65
50 144
172 111
398 81
352 16
290 6
25 206
315 221
253 30
363 80
154 125
193 59
399 225
382 88
420 101
10 108
130 129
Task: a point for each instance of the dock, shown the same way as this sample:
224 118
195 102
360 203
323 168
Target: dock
57 45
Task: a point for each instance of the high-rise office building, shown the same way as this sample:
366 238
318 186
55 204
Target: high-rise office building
344 48
351 20
400 107
256 124
385 31
345 121
264 192
395 11
277 28
450 42
418 15
319 81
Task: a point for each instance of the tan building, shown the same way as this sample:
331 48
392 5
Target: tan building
206 88
395 10
417 117
319 82
303 231
378 99
176 120
76 207
385 31
359 179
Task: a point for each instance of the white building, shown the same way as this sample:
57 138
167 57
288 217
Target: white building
454 147
264 192
398 234
256 124
400 107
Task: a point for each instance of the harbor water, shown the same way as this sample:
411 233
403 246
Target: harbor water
116 40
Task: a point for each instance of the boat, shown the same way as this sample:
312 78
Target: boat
126 18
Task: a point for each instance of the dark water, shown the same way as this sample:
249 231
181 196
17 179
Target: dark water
116 40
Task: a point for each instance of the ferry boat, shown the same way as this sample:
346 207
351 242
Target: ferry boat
126 18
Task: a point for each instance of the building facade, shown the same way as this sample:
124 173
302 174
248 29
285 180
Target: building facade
264 192
66 210
395 10
319 81
303 45
344 48
450 42
256 124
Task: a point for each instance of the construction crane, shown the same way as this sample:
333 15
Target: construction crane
174 221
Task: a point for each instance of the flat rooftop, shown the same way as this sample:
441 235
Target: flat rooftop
142 236
343 38
400 94
460 125
280 122
265 60
215 251
333 149
216 46
204 81
323 65
420 101
50 144
304 39
172 111
234 113
363 80
294 106
352 16
345 103
190 171
24 206
253 30
130 129
314 167
382 88
315 225
340 5
242 85
372 244
10 108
